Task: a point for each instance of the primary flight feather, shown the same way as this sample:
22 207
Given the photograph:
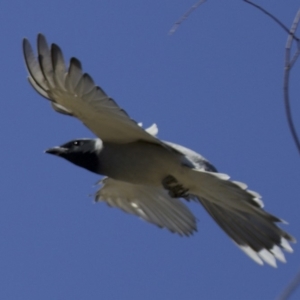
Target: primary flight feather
145 176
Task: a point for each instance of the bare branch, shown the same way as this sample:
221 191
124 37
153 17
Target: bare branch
185 16
289 63
291 287
288 66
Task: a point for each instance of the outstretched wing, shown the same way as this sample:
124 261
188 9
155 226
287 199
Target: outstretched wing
73 93
152 204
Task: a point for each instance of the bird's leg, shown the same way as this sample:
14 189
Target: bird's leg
176 190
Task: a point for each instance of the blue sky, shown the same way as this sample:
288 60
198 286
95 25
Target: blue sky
214 86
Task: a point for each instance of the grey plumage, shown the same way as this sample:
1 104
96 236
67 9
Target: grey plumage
145 176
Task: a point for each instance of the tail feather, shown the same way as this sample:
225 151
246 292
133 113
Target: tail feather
256 231
240 214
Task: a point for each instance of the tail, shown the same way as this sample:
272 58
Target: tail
239 212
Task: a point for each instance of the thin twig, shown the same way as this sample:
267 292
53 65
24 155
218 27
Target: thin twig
290 39
295 57
288 291
185 16
288 66
272 17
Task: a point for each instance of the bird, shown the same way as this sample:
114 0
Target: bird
143 175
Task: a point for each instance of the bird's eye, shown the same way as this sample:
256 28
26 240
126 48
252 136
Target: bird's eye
76 143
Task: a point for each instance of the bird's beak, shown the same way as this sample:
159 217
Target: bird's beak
56 151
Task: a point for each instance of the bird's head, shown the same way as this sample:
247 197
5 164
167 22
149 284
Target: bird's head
81 152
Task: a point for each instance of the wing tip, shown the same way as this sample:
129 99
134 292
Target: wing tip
41 39
75 62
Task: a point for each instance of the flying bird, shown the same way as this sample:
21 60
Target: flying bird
144 175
